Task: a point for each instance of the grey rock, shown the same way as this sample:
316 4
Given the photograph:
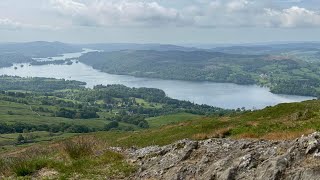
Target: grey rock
228 159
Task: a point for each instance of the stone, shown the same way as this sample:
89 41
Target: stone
229 159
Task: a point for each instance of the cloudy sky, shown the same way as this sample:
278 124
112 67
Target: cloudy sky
160 21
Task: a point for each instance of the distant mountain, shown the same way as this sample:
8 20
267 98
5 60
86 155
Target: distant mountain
108 47
269 48
46 49
281 74
38 48
7 60
180 65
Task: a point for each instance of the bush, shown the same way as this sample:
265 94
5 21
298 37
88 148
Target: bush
10 113
23 170
143 124
28 167
112 125
20 139
78 148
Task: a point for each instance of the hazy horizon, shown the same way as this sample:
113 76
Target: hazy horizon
261 43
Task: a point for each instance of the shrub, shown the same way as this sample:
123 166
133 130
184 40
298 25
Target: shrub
143 124
28 167
78 148
23 170
111 125
20 139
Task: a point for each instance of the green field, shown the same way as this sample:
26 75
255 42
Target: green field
23 114
284 121
146 104
51 109
71 131
171 119
87 155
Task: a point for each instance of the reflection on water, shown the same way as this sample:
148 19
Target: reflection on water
224 95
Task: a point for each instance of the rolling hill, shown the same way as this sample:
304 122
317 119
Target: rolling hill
281 75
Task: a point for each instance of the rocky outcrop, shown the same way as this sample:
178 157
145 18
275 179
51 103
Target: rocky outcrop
227 159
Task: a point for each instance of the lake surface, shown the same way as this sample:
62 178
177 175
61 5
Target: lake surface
225 95
66 55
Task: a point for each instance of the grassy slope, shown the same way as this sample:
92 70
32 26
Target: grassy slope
7 141
23 114
171 119
284 121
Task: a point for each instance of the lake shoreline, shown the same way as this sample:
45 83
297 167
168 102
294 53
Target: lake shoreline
224 95
218 94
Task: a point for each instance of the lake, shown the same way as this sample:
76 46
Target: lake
225 95
66 55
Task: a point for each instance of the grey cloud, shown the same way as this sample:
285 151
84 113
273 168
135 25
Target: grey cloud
214 13
293 17
9 24
123 13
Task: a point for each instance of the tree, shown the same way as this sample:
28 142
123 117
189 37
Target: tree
20 139
113 124
143 124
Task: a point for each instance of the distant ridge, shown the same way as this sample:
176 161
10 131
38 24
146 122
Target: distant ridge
38 48
133 46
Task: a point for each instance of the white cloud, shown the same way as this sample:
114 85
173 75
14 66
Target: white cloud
293 17
68 7
122 13
9 24
204 13
237 5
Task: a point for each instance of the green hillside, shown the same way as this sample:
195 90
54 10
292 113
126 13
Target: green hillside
87 155
283 74
50 108
70 132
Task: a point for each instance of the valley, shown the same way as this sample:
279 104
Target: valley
282 74
224 95
160 90
66 116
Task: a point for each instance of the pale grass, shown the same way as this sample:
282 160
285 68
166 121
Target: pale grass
219 133
247 136
253 123
286 135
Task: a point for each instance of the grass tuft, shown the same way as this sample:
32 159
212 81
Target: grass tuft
79 147
26 167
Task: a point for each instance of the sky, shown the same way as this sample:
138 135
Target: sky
160 21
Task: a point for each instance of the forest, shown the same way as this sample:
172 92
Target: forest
37 84
283 75
63 106
8 59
